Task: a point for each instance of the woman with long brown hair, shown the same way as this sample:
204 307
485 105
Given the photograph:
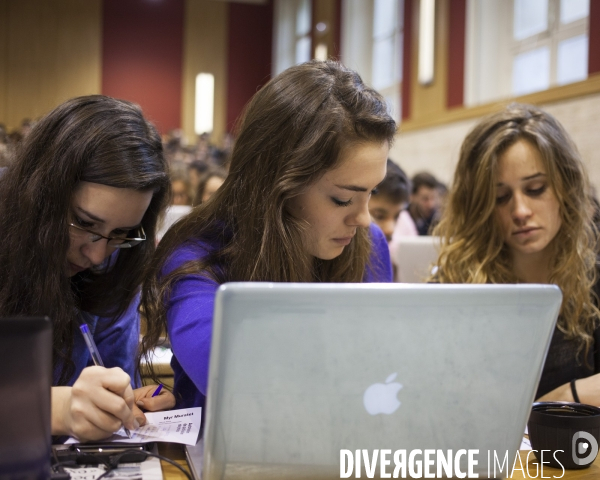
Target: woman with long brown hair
311 148
519 212
78 210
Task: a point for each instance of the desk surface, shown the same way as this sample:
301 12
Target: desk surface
177 453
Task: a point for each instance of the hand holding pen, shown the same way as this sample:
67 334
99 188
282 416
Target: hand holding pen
115 389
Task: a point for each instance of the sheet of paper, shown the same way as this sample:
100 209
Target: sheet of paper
174 426
525 444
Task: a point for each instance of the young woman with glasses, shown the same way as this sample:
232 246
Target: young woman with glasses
78 209
312 147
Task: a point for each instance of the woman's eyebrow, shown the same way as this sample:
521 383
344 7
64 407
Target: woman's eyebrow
353 188
524 179
99 220
90 215
535 175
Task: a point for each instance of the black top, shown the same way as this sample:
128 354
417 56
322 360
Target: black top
566 359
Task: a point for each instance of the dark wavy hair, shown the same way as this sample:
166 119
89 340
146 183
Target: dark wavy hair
292 132
94 139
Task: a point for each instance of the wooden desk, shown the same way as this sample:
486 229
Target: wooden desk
177 452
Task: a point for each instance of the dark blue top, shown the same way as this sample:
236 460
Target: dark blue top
117 341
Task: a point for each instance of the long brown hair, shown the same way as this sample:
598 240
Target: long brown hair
292 132
94 139
473 250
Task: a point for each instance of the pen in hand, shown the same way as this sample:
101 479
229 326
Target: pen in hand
158 389
95 354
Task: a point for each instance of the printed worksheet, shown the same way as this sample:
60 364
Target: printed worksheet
175 426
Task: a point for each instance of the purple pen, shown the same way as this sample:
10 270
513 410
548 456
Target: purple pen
158 389
95 354
89 341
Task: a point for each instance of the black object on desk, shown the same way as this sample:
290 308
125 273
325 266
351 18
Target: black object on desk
25 381
568 432
102 454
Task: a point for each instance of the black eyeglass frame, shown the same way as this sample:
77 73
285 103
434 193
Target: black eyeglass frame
127 242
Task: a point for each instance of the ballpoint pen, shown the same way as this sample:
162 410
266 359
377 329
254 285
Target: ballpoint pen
158 389
95 354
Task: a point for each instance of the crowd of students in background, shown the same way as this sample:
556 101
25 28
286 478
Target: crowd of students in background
401 205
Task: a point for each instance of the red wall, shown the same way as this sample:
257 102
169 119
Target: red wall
142 56
594 29
456 53
250 40
406 59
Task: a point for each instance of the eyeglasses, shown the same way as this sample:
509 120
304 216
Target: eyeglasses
115 242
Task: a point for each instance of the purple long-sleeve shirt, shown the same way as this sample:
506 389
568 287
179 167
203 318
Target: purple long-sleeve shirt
190 315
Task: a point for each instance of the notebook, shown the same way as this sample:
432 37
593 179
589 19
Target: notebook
25 380
300 373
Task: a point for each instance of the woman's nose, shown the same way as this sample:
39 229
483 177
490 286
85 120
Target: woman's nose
96 252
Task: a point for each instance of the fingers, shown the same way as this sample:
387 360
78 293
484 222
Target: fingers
139 416
101 401
116 397
143 392
164 401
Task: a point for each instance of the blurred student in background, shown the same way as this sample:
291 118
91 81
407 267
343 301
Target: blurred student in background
209 183
180 189
424 201
389 199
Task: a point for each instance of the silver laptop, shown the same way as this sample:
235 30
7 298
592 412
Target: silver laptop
301 372
414 257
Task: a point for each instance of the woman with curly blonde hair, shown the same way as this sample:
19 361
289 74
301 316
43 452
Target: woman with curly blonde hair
519 212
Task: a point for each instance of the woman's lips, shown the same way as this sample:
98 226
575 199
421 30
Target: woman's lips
76 268
343 241
526 231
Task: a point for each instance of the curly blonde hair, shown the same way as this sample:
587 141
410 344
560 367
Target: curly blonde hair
473 250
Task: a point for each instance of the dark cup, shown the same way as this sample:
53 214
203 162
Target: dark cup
573 428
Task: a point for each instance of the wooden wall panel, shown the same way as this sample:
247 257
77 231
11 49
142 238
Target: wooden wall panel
51 52
3 57
205 51
430 100
328 12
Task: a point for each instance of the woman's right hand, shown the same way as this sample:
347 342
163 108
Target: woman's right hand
100 401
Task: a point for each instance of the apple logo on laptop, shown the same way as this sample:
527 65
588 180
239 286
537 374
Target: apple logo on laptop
382 397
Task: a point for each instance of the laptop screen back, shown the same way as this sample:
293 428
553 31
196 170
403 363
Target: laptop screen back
300 372
25 381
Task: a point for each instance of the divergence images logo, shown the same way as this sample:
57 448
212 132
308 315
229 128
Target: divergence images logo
584 443
381 398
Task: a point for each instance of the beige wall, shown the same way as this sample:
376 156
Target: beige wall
205 51
436 149
50 50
